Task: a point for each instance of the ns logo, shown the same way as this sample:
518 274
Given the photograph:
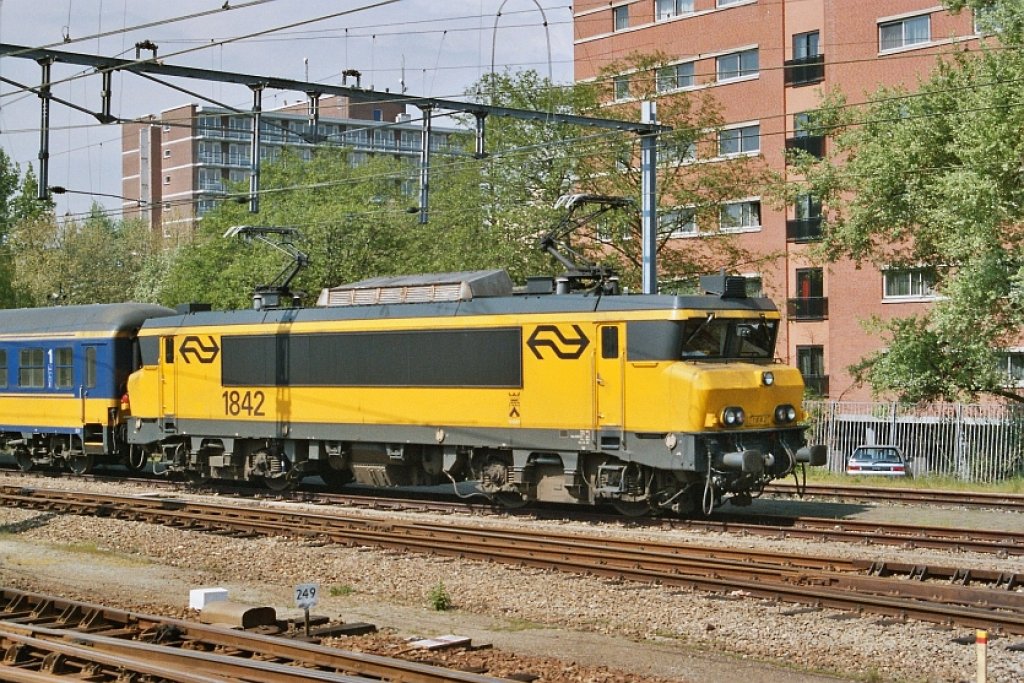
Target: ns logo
550 341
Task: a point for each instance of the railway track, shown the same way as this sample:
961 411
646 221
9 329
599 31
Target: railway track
45 639
976 599
1001 543
1003 501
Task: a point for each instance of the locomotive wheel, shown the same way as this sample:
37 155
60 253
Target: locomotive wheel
280 483
24 460
633 508
509 500
80 464
136 460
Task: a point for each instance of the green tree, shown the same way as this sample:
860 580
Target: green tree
18 203
352 218
494 215
933 178
98 260
688 193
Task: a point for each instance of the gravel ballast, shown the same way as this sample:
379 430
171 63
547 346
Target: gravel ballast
640 630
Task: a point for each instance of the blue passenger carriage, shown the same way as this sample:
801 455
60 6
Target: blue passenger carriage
63 373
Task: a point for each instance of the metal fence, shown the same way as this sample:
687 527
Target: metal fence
972 442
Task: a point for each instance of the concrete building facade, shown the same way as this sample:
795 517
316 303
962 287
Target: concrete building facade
181 164
767 62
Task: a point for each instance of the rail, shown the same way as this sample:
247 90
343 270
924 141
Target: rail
854 585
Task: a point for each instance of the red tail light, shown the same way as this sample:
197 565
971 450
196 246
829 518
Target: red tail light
126 406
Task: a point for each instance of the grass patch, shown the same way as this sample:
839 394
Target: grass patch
93 550
820 476
340 590
438 597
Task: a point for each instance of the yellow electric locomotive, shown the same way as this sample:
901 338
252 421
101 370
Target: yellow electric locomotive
643 402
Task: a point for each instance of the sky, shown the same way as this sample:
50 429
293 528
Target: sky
437 48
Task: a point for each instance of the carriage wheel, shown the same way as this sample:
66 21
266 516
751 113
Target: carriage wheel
24 459
80 464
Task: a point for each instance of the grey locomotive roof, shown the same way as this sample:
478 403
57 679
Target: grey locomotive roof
456 286
512 305
70 319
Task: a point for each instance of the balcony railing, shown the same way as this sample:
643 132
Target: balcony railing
812 144
808 308
803 229
805 71
816 384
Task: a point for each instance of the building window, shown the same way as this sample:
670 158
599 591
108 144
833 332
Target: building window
810 302
681 222
677 151
239 127
3 368
807 206
31 369
620 17
892 35
737 65
205 206
754 286
666 9
620 85
738 216
741 140
64 367
909 283
167 154
806 226
810 360
1011 363
209 125
210 180
805 45
167 180
675 77
726 3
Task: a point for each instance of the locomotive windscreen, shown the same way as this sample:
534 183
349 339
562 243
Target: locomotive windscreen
707 337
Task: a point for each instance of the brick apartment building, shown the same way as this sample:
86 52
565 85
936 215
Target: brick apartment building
180 164
767 62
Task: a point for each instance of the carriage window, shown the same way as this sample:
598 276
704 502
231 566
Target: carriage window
609 342
31 369
64 367
90 366
3 369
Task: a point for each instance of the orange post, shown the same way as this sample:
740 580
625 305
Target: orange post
981 646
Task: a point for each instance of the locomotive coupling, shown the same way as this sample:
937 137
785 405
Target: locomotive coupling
815 456
748 462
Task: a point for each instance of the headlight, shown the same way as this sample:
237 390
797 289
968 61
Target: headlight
785 414
733 417
768 377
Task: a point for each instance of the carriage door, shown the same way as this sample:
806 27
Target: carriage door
168 385
609 362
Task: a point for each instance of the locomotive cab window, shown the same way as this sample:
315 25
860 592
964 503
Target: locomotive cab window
709 337
31 369
63 361
3 369
609 342
168 350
